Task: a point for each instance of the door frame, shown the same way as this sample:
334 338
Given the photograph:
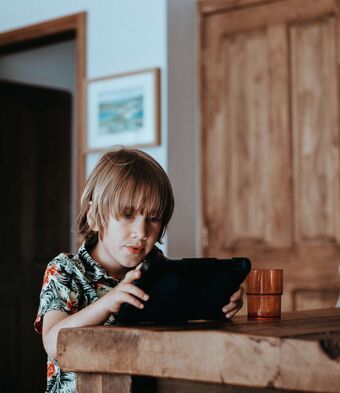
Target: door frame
50 32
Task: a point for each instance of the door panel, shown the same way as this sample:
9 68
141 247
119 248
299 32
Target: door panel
315 130
270 141
35 171
259 133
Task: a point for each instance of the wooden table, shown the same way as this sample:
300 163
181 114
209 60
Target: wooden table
301 352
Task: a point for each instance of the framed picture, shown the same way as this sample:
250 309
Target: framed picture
124 110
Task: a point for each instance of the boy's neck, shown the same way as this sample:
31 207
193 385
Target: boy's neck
114 271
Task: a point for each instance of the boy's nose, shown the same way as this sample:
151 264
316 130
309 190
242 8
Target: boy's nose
139 229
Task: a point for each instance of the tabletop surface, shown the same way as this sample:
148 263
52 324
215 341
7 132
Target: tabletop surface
299 352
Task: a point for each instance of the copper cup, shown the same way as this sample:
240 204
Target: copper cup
264 289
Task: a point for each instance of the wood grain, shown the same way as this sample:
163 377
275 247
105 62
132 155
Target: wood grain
301 352
315 130
270 141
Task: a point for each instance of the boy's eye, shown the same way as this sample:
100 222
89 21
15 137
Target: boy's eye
127 215
154 219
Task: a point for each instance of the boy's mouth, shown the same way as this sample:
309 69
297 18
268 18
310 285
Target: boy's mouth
135 250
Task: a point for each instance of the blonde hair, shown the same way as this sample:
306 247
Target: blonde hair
125 180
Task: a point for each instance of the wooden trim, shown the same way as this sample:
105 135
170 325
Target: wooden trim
81 102
40 30
214 6
288 11
45 32
122 74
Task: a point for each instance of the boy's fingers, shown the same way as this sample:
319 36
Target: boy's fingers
237 295
233 306
128 298
135 291
131 276
231 314
230 310
229 307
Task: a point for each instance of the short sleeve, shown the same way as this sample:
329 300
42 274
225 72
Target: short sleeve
58 292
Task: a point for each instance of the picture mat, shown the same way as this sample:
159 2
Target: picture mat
136 89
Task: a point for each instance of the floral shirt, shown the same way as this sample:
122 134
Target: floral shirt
71 282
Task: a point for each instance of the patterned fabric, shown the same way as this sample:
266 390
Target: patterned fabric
71 282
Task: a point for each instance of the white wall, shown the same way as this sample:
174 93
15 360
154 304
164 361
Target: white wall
50 66
122 36
131 35
183 163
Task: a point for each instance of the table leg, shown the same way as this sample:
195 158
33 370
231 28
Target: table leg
108 383
103 383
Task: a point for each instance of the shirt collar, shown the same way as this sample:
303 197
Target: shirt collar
95 270
92 268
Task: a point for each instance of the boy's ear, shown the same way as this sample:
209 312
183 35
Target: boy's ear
90 218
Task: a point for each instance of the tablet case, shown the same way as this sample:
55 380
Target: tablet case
185 289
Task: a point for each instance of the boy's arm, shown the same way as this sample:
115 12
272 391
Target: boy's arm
94 314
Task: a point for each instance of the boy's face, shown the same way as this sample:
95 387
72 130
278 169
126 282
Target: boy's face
126 242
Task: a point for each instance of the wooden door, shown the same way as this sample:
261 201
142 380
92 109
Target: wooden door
270 140
35 221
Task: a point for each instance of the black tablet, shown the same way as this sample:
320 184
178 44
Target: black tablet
185 289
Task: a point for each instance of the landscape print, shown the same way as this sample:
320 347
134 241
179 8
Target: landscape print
124 110
121 111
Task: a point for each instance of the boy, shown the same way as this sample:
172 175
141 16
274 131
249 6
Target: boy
125 208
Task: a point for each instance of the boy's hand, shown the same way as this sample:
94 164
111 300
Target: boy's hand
234 305
126 292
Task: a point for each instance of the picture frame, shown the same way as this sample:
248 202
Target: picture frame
124 110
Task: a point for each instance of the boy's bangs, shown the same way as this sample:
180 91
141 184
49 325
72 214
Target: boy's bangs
144 197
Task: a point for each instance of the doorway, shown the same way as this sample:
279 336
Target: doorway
35 170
